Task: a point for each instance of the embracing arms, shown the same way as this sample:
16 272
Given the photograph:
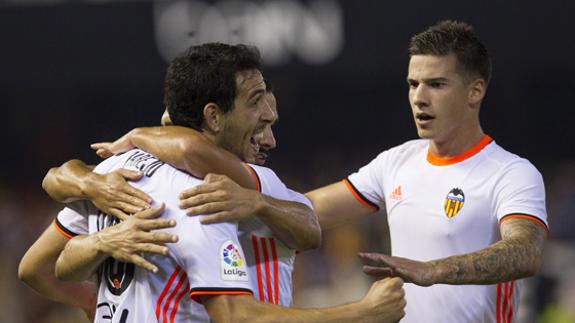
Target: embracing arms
36 270
185 149
293 223
124 241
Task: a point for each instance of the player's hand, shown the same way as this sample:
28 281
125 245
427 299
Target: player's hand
107 149
221 200
380 265
385 301
112 194
127 239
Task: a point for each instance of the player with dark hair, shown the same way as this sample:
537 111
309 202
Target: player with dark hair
467 218
207 261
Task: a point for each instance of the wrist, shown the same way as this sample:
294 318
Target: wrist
87 182
262 204
438 272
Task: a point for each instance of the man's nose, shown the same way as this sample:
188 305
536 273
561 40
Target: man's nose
419 96
268 140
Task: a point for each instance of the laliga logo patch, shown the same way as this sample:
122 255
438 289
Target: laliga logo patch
232 264
454 202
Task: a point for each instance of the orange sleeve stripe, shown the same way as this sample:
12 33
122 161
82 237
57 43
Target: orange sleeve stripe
525 216
61 230
257 178
360 197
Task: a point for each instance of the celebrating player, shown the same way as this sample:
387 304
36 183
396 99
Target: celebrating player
467 218
207 260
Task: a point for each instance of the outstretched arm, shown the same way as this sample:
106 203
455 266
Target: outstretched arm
185 149
384 303
109 192
517 255
336 205
37 271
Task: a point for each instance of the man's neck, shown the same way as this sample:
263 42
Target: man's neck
457 144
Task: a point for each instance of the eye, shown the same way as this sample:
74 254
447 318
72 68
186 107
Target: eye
412 84
437 85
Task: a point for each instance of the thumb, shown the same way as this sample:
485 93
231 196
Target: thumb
132 175
151 213
100 145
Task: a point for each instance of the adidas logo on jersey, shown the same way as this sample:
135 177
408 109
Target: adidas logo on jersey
396 194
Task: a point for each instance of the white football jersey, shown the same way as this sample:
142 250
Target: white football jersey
440 207
270 262
212 254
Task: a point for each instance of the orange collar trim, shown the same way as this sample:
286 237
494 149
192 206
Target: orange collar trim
444 161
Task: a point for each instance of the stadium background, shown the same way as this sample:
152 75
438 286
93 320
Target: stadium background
76 72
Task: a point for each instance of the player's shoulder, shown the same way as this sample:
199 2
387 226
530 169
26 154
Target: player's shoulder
405 150
268 180
508 162
154 169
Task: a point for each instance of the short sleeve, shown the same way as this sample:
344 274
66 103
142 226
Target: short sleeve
212 257
73 219
520 192
367 183
300 198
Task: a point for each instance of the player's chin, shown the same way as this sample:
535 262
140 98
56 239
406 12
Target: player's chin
424 133
260 159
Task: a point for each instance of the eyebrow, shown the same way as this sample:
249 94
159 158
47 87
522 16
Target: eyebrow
429 80
255 93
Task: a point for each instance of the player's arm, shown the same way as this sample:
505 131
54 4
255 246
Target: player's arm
295 224
110 193
36 270
517 255
338 203
384 303
124 241
185 149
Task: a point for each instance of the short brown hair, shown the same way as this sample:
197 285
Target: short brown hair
458 38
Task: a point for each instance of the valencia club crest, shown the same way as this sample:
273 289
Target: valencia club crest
454 202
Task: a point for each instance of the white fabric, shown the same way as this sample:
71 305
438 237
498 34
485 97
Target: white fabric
494 182
198 244
195 263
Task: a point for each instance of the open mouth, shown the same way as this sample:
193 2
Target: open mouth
254 144
424 117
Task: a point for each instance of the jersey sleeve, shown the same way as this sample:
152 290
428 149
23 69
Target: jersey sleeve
73 219
521 193
299 197
367 183
212 257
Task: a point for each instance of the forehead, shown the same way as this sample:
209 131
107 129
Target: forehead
249 81
431 66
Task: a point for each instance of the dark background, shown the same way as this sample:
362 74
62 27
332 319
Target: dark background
73 73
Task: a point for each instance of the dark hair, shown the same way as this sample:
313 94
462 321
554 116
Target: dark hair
458 38
205 74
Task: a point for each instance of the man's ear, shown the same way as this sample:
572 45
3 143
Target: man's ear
477 90
213 118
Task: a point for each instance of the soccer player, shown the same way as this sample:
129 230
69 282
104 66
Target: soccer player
467 218
210 259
